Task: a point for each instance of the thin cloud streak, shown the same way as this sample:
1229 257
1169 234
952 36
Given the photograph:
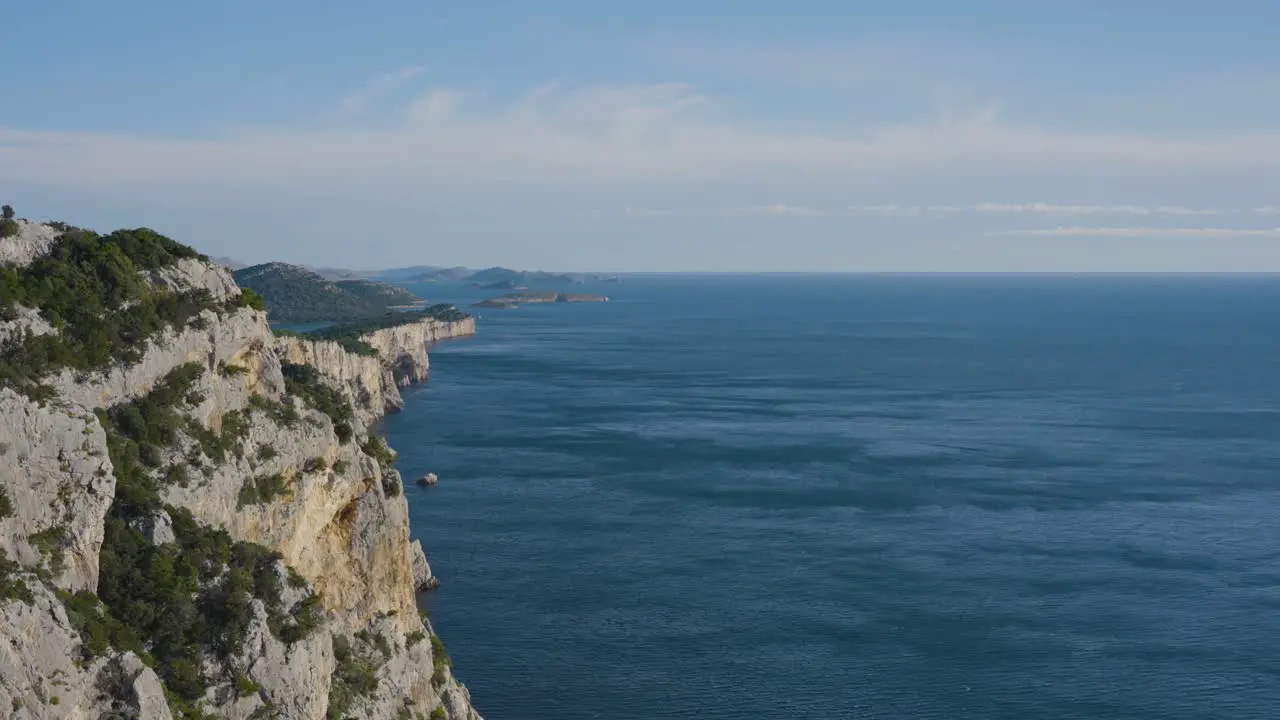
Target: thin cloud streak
378 88
1143 232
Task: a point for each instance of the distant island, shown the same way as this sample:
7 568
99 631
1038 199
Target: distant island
514 300
501 285
297 295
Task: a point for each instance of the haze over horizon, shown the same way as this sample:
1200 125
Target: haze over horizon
693 136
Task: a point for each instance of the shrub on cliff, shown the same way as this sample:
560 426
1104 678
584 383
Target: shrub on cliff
12 586
307 383
6 212
93 290
9 227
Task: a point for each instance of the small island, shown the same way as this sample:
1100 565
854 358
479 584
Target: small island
515 300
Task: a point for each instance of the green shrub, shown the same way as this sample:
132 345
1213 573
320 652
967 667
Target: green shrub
250 298
262 490
315 465
246 687
283 414
6 212
391 485
376 448
12 587
439 657
344 432
307 383
93 289
414 638
6 505
340 466
231 370
353 677
266 452
9 227
50 543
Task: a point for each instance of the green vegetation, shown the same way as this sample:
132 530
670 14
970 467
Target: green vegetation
8 226
92 289
139 431
253 299
266 452
189 597
379 293
50 542
246 687
292 294
353 677
355 330
414 638
229 370
261 490
284 414
340 466
440 660
307 383
438 713
12 587
376 448
315 465
171 603
6 505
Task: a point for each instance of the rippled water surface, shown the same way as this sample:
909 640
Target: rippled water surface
860 497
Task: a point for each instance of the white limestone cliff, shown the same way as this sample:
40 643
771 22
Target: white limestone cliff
342 523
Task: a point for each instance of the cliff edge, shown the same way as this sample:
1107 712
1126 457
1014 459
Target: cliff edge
196 519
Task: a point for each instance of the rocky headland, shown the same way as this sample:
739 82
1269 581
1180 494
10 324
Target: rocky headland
196 517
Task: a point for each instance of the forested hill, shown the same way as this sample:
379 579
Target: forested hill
297 295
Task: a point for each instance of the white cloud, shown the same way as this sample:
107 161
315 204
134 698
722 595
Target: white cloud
586 136
1052 209
1036 208
778 210
378 88
1145 232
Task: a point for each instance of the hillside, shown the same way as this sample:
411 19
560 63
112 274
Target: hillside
380 294
197 519
297 295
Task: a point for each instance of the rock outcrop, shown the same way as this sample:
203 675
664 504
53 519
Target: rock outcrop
295 474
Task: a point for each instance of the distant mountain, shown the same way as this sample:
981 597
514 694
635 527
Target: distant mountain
434 273
297 295
336 274
229 263
528 277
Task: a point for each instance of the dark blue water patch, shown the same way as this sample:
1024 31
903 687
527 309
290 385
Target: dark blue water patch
877 497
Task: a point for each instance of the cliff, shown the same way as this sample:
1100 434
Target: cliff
373 383
195 519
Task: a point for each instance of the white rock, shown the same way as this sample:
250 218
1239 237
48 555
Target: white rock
32 241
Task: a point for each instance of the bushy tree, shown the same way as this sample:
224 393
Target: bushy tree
6 212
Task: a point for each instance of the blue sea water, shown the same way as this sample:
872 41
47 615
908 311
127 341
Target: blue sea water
822 497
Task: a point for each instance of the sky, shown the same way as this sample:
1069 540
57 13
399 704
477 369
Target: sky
699 135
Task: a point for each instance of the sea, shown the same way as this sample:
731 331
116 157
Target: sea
1029 497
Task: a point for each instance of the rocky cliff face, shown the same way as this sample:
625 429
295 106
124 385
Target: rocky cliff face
373 384
138 466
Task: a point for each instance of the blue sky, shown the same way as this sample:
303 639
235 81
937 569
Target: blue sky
694 135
